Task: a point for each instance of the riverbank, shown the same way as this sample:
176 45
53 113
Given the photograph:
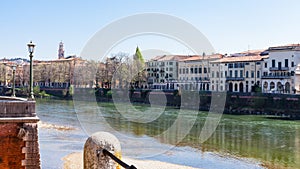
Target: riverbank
75 161
284 106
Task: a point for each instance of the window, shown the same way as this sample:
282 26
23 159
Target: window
230 73
235 73
293 64
187 71
192 70
200 70
230 65
258 63
241 73
196 70
218 74
225 73
266 65
236 65
247 74
252 74
273 63
212 74
205 70
171 69
180 71
183 71
258 74
286 63
279 65
221 74
170 63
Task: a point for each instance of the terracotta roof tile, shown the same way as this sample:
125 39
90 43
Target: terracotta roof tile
241 59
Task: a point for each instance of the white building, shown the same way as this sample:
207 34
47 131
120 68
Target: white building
195 72
239 72
279 69
162 71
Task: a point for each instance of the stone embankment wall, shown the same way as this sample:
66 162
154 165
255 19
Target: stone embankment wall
281 105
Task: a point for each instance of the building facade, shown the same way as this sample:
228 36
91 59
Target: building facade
162 71
279 69
239 72
195 72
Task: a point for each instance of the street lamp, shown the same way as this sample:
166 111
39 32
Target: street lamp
14 82
31 50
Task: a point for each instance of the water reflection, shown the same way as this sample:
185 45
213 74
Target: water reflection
274 142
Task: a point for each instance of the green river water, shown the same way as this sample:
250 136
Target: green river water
273 142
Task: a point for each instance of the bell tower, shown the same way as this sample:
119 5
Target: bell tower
61 52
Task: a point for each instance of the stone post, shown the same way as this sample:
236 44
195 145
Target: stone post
93 156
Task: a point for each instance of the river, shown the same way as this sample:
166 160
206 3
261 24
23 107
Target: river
244 141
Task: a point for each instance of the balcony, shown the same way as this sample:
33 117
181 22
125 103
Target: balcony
279 68
235 79
203 79
276 77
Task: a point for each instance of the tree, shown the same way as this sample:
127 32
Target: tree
139 66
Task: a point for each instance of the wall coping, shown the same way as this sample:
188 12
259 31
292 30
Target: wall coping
9 99
19 119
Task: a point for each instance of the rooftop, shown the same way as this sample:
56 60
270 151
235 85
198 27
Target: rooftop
241 59
295 47
170 58
200 57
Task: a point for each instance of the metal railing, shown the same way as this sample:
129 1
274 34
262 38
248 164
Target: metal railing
116 159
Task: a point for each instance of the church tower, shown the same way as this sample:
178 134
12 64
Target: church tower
61 52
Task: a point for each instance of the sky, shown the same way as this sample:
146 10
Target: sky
230 26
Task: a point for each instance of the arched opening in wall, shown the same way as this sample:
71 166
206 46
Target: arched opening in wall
230 87
287 87
272 86
279 87
265 86
207 87
241 87
235 87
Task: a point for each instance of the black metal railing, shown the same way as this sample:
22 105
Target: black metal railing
116 159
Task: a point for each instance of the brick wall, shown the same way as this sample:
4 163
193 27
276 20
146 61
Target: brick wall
11 155
19 147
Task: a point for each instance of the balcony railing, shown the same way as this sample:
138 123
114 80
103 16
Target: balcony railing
276 77
235 79
279 68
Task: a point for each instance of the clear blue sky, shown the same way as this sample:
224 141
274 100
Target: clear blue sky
230 26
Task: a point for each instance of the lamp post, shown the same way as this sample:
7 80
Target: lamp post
14 82
31 50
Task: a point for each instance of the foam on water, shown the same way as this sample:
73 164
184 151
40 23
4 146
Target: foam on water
54 126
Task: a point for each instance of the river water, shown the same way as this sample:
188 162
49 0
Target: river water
238 141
